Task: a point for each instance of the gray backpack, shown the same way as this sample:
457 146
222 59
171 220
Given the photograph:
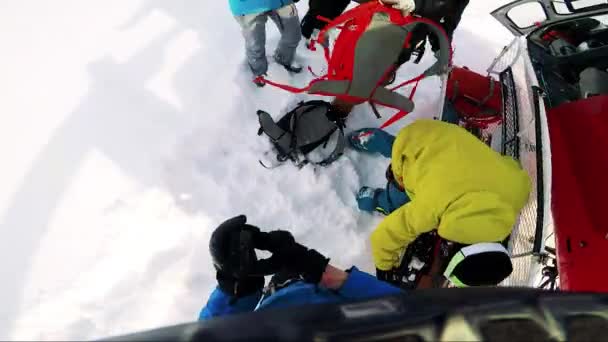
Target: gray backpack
303 129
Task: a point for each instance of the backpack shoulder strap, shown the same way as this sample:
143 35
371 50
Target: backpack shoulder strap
334 155
281 138
392 99
338 150
359 11
444 60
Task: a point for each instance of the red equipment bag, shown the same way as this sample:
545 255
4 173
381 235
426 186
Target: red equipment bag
365 53
477 99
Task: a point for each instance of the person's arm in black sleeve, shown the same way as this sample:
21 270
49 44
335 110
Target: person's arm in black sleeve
452 19
446 13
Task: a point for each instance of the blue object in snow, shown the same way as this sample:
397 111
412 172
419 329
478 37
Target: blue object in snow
449 113
372 140
367 199
384 201
358 285
244 7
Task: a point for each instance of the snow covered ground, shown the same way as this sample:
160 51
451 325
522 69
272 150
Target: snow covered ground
129 132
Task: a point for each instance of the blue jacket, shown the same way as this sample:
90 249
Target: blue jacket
358 285
242 7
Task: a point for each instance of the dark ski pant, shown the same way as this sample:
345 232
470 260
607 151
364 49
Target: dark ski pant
391 197
329 9
253 27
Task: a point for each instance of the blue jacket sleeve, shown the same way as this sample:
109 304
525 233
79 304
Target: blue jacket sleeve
360 285
219 305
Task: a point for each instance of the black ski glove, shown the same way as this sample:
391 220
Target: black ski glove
290 255
309 263
272 241
390 277
232 247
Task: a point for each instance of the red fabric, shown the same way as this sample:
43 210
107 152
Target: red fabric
482 122
403 84
284 86
353 23
340 60
553 35
579 137
401 114
476 87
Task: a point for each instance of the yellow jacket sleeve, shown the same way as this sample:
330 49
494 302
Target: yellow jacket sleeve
398 230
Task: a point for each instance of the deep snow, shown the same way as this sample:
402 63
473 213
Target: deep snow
129 132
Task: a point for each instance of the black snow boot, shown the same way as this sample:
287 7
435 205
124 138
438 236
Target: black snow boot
293 67
258 81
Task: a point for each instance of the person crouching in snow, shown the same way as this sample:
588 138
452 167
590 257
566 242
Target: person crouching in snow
441 178
301 275
252 15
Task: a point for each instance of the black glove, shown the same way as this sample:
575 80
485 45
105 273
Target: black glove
307 262
390 277
272 241
290 255
232 248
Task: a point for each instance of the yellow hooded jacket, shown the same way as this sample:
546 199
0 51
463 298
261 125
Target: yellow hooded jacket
457 185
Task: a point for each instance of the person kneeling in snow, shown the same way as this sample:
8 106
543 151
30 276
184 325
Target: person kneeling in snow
252 16
441 177
301 275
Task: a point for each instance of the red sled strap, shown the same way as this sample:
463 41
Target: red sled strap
401 114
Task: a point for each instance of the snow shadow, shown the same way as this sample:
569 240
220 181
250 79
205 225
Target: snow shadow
117 118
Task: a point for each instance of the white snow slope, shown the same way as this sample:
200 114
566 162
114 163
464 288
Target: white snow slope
129 132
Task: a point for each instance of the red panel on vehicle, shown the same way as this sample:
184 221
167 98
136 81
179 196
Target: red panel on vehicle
579 148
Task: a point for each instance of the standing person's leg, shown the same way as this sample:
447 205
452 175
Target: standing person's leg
287 20
391 198
369 199
329 9
253 27
338 7
310 22
449 114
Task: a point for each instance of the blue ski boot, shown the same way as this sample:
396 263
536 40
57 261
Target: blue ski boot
384 201
372 140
